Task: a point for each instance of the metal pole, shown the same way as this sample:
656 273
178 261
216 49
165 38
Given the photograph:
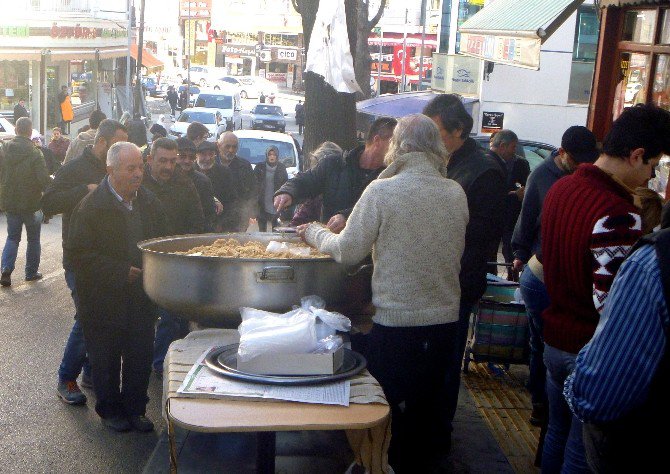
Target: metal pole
129 94
379 63
423 41
404 53
140 47
188 60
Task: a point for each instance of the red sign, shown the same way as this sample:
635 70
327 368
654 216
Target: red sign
73 32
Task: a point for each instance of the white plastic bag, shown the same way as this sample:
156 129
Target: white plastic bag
307 302
329 345
337 321
277 335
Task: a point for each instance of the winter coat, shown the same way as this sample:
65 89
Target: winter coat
59 148
66 111
280 177
69 187
203 185
483 181
137 132
77 145
101 253
23 176
337 177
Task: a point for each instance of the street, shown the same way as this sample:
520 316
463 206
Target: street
38 432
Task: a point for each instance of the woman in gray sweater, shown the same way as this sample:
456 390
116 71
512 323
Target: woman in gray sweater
413 220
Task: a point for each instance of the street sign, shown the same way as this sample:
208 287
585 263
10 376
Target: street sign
289 54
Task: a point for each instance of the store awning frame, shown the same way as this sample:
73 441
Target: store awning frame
512 31
629 3
148 59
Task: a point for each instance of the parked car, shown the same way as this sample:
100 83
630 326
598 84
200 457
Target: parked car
261 84
534 152
210 118
149 85
267 117
254 144
6 127
226 102
205 75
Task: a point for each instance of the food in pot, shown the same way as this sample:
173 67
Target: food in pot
233 248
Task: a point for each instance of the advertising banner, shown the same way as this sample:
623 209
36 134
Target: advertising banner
515 51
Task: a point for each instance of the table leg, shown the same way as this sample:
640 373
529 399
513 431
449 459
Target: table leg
265 452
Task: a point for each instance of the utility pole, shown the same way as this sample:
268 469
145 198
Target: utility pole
404 53
188 60
129 94
380 32
140 47
423 42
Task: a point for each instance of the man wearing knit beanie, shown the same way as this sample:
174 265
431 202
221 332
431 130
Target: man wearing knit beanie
589 223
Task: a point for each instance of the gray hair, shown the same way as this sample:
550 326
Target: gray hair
125 116
417 133
116 150
23 127
107 129
504 137
325 149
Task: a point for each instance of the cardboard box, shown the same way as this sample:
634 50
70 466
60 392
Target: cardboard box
294 364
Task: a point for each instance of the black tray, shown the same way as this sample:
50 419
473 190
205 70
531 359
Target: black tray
223 361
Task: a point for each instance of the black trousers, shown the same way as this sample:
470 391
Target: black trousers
411 363
264 218
120 366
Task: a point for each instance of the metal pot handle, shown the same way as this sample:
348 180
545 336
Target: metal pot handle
276 274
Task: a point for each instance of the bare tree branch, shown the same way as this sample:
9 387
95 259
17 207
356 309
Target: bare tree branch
378 16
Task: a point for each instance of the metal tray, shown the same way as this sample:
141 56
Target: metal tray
223 361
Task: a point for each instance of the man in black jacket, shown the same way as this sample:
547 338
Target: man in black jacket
483 181
270 175
20 110
115 312
211 207
184 212
340 178
222 186
244 182
74 180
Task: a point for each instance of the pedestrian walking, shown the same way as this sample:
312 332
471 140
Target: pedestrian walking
300 116
65 110
23 177
173 99
20 110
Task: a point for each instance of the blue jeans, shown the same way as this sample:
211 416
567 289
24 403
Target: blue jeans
536 299
452 380
170 327
15 223
563 450
74 356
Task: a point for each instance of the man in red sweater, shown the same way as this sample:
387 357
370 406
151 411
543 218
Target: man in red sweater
589 222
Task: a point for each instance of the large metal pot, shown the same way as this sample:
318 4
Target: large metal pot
211 290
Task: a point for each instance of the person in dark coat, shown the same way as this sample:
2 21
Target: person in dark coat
74 180
483 181
137 131
173 99
222 185
300 116
340 177
184 212
211 207
244 183
20 110
114 310
59 144
270 175
503 148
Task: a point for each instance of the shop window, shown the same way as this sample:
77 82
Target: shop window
280 39
639 26
660 94
632 86
13 83
665 28
586 34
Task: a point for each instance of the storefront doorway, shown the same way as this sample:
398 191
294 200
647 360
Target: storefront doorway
53 107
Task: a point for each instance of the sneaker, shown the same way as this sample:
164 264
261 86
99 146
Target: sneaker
86 381
117 423
141 423
6 279
538 415
35 277
70 393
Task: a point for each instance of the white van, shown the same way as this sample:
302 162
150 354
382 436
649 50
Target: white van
254 144
227 103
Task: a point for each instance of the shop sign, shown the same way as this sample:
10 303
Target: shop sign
241 49
84 32
456 73
287 54
195 8
15 31
492 121
515 51
276 76
265 55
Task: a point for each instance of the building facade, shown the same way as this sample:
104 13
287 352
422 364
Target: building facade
47 44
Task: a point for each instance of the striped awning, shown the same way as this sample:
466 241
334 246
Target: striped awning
512 31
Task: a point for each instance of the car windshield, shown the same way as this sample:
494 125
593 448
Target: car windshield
214 101
253 150
193 116
268 110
